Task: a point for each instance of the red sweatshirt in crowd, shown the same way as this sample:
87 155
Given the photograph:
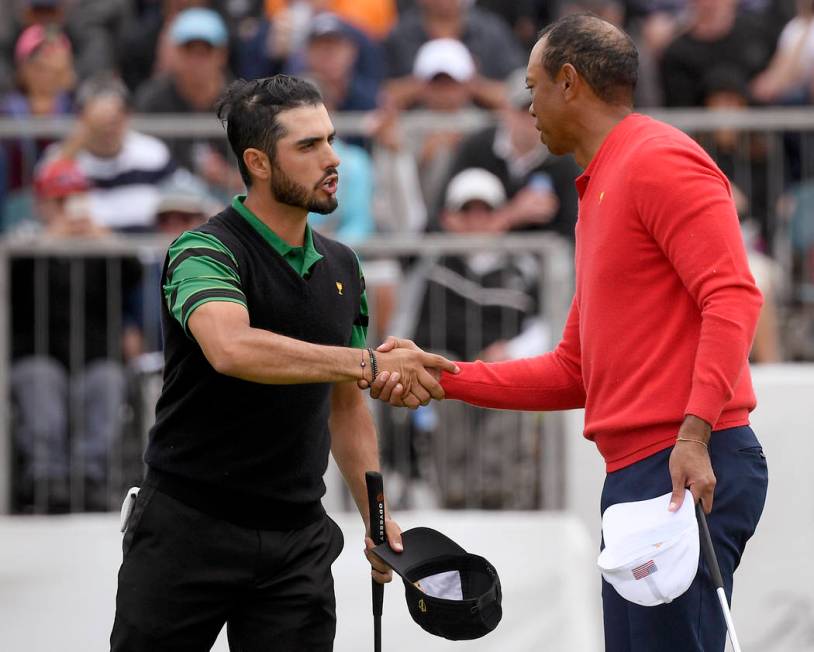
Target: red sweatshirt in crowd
664 310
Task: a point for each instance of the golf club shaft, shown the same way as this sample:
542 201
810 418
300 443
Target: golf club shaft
375 503
706 546
715 573
730 626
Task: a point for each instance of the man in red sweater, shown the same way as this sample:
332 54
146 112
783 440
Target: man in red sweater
656 343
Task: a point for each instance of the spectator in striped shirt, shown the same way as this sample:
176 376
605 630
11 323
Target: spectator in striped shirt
124 167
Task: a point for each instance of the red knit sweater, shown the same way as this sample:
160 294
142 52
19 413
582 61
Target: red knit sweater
664 310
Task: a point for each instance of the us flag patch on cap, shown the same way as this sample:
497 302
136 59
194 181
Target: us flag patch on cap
647 568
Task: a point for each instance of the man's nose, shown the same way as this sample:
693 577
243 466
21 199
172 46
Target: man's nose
332 160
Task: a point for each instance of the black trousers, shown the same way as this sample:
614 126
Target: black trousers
185 574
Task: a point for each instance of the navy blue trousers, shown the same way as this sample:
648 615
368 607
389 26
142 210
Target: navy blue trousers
692 622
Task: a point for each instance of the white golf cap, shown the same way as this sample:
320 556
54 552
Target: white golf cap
474 183
445 56
651 554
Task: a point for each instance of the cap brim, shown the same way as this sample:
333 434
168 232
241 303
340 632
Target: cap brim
421 544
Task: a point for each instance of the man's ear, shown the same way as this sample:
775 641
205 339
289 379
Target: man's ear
257 163
569 81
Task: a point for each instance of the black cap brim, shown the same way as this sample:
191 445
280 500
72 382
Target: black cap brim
427 552
420 544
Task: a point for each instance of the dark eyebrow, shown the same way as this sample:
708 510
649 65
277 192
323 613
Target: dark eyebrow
310 140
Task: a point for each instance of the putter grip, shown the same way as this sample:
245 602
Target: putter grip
706 546
375 504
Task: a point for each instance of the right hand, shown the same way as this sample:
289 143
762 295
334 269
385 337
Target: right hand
408 376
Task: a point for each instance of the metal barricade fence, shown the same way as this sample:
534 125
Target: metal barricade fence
89 278
766 152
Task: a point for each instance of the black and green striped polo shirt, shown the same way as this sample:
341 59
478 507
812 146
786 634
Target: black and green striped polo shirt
202 269
247 452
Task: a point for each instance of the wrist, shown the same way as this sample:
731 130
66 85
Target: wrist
368 365
364 365
694 427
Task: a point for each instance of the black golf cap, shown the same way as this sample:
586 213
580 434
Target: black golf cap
450 592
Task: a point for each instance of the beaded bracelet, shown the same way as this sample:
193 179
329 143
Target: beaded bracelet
374 367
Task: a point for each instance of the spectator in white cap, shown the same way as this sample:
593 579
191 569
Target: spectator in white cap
473 203
471 200
486 36
445 77
502 290
539 186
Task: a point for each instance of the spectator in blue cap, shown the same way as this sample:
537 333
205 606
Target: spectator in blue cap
199 24
196 76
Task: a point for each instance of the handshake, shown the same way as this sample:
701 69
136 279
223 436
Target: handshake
407 376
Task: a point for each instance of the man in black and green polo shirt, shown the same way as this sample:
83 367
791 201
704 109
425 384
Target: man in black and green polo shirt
264 326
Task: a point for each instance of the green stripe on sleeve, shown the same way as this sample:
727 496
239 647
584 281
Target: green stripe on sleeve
196 239
200 269
224 261
204 296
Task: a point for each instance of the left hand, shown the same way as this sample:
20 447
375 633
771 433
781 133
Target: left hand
690 466
380 571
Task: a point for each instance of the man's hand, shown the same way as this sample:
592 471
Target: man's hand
412 384
690 466
380 571
528 206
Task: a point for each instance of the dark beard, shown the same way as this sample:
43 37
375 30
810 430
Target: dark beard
287 191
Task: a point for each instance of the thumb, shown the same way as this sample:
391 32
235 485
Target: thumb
388 345
679 491
433 361
448 365
393 532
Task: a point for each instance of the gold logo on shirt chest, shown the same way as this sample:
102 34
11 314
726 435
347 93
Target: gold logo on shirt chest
339 287
601 197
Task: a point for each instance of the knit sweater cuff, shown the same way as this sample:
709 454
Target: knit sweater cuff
706 403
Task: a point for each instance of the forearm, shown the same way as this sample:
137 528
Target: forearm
547 382
261 356
537 384
728 324
354 447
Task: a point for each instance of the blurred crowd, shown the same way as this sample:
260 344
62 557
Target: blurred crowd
100 62
103 60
